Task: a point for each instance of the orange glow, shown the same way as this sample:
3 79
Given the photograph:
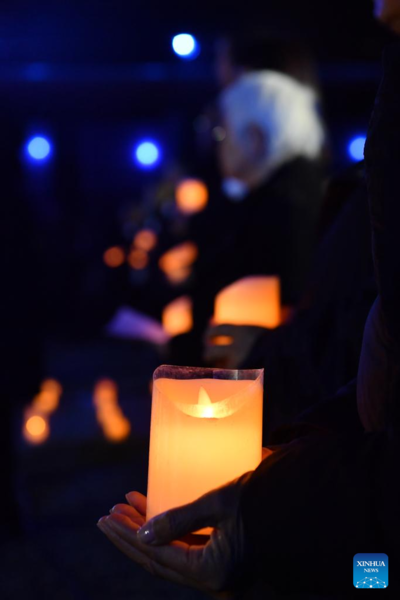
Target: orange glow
46 402
249 301
115 425
221 340
36 428
53 385
146 240
138 259
180 275
114 257
48 399
177 316
191 196
204 433
117 429
204 400
176 262
105 393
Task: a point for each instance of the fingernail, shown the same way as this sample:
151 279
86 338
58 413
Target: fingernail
146 533
112 509
101 521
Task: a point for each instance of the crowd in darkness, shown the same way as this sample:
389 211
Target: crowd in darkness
331 413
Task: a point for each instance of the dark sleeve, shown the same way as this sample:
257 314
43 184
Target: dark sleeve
319 500
315 503
337 414
382 156
379 371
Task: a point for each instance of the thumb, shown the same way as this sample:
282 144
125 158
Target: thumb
178 522
208 511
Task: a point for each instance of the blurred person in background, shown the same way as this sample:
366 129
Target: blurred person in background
317 351
270 143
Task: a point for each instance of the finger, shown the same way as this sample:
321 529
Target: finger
178 556
144 561
178 522
266 452
129 512
137 501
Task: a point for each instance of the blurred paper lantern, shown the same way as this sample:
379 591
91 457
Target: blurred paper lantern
114 257
191 196
176 262
249 301
177 316
145 239
138 259
36 429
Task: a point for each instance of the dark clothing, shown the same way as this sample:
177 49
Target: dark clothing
318 351
323 498
271 232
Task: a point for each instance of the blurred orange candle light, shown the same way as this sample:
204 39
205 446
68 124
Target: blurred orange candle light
176 263
191 196
177 316
250 301
116 427
36 428
47 401
114 257
206 430
145 239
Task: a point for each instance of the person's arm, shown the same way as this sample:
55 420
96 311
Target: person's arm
314 504
379 372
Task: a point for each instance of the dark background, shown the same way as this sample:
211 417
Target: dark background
96 77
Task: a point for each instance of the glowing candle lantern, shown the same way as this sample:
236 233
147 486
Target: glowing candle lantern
191 196
206 430
249 301
177 317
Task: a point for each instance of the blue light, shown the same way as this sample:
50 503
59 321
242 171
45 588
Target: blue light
356 148
185 46
38 148
147 154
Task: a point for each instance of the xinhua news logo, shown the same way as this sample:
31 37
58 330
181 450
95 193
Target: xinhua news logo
371 571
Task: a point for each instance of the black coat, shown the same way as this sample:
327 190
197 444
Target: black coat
329 495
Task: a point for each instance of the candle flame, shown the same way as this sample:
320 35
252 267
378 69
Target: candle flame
205 402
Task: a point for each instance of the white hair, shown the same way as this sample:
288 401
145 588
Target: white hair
285 110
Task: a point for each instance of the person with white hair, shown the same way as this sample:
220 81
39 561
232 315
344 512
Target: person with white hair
269 120
270 144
